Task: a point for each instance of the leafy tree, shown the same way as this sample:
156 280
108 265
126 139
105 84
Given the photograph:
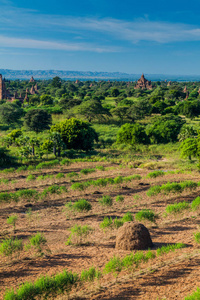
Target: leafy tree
91 109
186 132
56 82
164 129
37 120
10 113
57 142
76 134
189 148
132 134
139 110
115 92
46 99
120 112
5 158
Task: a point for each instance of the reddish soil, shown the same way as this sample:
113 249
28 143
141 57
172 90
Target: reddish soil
171 276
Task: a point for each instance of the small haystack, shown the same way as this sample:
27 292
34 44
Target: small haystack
133 236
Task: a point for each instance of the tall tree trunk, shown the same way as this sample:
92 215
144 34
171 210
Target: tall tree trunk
54 150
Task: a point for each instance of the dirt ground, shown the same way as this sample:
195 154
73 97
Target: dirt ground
170 276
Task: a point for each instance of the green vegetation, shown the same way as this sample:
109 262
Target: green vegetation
106 200
145 214
79 234
195 203
90 275
12 221
168 248
8 247
194 296
197 237
177 207
81 205
38 241
155 174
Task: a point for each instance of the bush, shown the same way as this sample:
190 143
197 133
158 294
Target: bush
10 246
76 134
27 194
177 207
78 186
78 234
48 164
132 177
195 203
132 134
12 221
145 214
65 161
106 200
194 295
82 205
72 174
118 223
101 168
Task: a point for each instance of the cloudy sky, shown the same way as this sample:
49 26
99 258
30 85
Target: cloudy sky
157 37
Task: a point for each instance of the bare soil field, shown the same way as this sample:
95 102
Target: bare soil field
173 275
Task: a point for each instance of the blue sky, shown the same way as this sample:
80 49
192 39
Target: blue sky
157 37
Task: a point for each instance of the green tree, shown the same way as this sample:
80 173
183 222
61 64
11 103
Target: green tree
164 129
37 120
56 82
132 134
189 148
76 134
10 113
115 92
91 109
46 100
57 142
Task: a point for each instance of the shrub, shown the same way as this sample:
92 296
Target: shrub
106 200
171 187
87 171
90 275
54 189
155 174
9 170
10 246
107 222
22 168
128 217
5 197
12 221
189 185
194 295
195 203
145 214
37 241
47 164
177 207
119 198
78 234
30 177
118 180
82 205
60 175
197 237
78 186
31 168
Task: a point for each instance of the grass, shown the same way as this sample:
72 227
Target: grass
12 221
90 275
30 177
177 207
44 287
145 214
10 246
119 198
168 248
82 205
60 175
172 187
107 222
155 174
194 296
195 203
106 201
79 234
197 237
37 241
128 217
87 171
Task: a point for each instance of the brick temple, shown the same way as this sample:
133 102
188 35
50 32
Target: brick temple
143 83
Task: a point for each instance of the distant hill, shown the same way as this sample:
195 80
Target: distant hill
83 75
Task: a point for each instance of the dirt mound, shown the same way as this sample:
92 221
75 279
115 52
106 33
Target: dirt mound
133 236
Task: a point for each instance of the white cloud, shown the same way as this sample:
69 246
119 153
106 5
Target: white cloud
12 42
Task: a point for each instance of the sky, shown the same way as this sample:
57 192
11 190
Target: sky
152 37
